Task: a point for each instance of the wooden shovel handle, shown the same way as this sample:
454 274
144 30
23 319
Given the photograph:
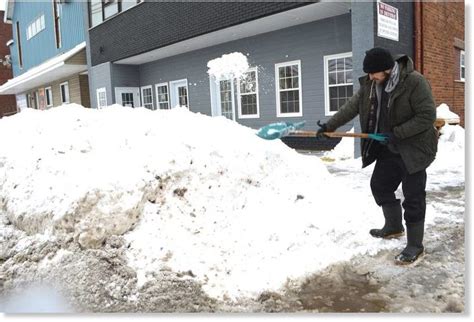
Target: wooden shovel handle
330 134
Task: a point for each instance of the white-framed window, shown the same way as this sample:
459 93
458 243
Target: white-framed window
462 66
147 97
49 96
162 96
226 95
179 93
248 95
64 88
35 27
288 89
101 97
338 81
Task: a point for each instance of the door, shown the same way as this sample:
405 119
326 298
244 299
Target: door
223 98
179 93
127 96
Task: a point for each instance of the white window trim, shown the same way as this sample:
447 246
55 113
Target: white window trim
157 95
277 89
327 112
98 92
461 53
142 89
67 101
50 94
187 90
249 116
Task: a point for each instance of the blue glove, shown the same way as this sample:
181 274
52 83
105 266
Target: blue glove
389 138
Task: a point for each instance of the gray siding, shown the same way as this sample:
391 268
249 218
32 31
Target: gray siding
308 43
125 76
100 76
160 23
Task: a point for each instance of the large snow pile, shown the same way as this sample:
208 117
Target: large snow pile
190 193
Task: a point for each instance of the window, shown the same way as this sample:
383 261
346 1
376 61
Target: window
95 12
226 97
288 89
64 92
127 100
248 95
147 97
49 97
20 56
338 81
35 27
57 22
183 96
111 7
101 97
179 93
462 65
100 10
162 96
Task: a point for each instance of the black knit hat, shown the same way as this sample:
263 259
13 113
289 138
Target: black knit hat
377 60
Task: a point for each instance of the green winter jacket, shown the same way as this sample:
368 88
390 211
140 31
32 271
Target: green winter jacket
412 114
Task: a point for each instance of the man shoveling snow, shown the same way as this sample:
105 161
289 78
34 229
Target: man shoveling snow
395 100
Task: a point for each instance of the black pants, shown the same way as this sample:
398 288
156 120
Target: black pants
388 173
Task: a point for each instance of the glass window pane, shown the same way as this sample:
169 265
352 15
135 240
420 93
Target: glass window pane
128 4
341 91
340 64
333 105
110 9
281 72
332 78
296 82
332 92
294 71
348 61
349 91
95 8
340 77
349 76
332 65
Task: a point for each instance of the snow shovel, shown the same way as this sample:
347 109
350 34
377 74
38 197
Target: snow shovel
278 130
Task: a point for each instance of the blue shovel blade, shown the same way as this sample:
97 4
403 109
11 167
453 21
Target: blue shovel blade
278 130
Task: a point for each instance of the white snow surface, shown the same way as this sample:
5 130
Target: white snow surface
190 193
444 112
228 66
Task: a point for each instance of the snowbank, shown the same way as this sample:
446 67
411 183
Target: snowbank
191 193
201 196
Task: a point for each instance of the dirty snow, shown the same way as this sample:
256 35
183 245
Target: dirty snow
203 198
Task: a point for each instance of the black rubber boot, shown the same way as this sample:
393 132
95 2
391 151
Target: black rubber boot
393 227
414 248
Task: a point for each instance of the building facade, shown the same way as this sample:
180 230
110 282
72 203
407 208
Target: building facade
303 56
440 54
48 53
7 102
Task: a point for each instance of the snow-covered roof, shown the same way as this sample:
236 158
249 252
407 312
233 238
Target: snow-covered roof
54 69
